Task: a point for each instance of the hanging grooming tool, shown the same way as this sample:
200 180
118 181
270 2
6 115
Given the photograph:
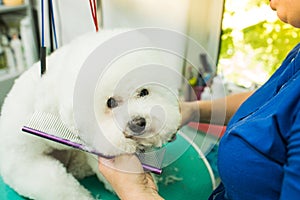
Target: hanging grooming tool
43 48
93 6
50 126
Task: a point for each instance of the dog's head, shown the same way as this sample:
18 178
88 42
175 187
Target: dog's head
136 106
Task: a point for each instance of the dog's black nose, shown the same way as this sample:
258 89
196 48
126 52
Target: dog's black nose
137 125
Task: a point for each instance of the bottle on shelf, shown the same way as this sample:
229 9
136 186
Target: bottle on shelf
16 46
12 2
10 61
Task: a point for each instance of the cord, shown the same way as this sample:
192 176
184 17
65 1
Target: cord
93 7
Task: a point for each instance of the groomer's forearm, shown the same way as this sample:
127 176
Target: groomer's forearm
220 111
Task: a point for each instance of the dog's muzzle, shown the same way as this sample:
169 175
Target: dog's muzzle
137 126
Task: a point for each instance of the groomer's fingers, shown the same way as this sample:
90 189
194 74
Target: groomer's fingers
127 167
125 173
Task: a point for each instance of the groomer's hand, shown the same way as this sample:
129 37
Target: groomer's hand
127 177
189 112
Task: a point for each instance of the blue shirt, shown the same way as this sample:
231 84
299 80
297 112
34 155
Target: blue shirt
259 154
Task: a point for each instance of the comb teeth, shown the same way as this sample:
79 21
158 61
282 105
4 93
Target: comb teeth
152 158
53 125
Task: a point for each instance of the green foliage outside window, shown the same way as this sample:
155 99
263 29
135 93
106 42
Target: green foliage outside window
249 56
273 40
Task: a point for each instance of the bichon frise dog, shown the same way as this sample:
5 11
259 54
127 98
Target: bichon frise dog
135 112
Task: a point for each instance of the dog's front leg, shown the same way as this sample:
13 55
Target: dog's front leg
42 177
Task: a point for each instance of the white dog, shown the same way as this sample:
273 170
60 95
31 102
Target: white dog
133 115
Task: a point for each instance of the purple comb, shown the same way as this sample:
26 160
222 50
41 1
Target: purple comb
49 126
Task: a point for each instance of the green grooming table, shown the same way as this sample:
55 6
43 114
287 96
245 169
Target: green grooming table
188 177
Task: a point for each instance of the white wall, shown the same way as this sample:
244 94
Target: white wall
200 19
205 24
170 14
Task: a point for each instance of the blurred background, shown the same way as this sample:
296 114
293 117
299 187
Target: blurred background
242 43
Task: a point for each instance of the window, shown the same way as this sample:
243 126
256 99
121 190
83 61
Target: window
254 42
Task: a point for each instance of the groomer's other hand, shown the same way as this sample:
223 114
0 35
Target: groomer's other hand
189 112
127 177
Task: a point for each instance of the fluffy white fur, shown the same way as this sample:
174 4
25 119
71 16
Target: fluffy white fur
41 169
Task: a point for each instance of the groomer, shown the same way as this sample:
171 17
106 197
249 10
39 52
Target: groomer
259 155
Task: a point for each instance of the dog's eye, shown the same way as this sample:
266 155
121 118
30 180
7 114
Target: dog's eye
144 92
112 103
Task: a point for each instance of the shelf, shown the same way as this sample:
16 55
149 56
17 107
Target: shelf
7 9
8 15
17 13
7 76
